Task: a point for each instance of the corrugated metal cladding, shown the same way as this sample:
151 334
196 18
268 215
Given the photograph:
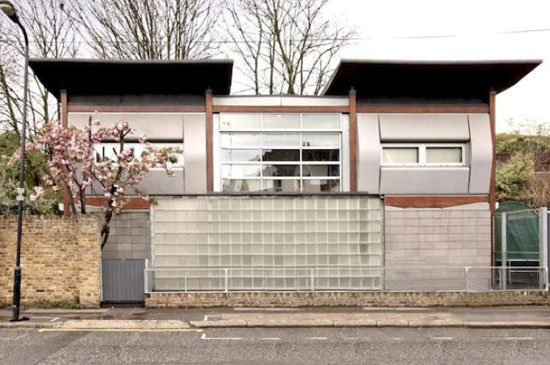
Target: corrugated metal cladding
267 243
122 280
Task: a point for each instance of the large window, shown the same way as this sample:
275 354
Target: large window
413 154
110 150
280 152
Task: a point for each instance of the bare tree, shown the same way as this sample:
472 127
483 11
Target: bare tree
52 33
285 46
145 29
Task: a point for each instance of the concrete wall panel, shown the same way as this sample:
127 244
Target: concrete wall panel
424 127
481 153
431 181
368 153
194 126
153 125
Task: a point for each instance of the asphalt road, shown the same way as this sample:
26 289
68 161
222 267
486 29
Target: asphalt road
279 346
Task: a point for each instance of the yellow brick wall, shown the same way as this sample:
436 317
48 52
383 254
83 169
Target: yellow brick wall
60 262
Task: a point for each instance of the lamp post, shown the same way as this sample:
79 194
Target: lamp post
8 9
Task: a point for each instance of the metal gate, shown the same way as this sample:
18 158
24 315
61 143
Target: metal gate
123 280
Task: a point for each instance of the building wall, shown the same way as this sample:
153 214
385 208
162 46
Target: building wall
375 129
61 260
428 249
130 236
162 127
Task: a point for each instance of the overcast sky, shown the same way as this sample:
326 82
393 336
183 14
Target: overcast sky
460 30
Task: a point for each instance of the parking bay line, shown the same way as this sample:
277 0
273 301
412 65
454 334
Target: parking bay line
203 337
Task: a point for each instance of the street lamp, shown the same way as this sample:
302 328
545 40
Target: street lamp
8 9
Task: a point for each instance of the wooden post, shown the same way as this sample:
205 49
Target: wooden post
209 144
353 139
65 123
492 185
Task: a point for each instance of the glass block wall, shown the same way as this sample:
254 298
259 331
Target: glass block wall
266 243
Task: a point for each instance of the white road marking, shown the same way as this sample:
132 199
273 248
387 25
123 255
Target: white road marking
316 338
442 338
270 338
54 319
517 338
265 309
397 338
394 309
203 337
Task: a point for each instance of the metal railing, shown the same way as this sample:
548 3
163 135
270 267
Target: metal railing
348 278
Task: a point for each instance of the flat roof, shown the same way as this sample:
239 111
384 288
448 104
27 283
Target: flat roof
427 79
133 77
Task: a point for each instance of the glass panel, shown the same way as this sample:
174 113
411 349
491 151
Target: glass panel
281 185
321 140
444 154
229 140
281 155
241 185
281 121
281 170
321 170
240 155
314 186
281 140
321 121
321 155
400 154
240 171
239 121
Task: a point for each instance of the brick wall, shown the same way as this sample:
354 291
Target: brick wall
351 299
427 249
61 260
130 237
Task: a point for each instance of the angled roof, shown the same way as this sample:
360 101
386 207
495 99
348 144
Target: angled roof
427 79
115 77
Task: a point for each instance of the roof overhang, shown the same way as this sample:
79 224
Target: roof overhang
133 77
430 80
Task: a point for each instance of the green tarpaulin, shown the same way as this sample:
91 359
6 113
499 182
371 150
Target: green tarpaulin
522 232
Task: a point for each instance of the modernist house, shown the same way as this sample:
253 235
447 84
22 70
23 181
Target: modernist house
384 182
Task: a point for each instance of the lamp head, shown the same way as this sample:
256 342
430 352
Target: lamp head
8 9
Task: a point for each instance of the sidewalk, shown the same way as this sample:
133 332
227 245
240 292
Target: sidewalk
129 319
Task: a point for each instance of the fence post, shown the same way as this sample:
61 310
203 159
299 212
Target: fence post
503 249
467 275
146 277
543 246
226 279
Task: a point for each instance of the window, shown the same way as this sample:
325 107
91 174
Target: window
415 155
273 152
109 150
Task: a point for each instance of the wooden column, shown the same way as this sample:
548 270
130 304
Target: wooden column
65 123
209 144
492 185
353 139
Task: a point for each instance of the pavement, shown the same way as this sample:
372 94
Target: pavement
130 319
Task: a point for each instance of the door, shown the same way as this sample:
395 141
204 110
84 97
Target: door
123 280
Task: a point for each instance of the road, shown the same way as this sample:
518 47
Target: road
279 346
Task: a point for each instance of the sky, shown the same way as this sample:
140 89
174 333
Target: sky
460 30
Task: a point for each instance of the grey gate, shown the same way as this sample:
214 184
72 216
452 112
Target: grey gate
123 280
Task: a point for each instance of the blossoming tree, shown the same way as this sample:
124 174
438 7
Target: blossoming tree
75 167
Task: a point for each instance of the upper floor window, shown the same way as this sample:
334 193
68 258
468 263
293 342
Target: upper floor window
280 152
413 154
110 150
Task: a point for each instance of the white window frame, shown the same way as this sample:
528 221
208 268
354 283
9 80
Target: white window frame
342 147
422 154
129 144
